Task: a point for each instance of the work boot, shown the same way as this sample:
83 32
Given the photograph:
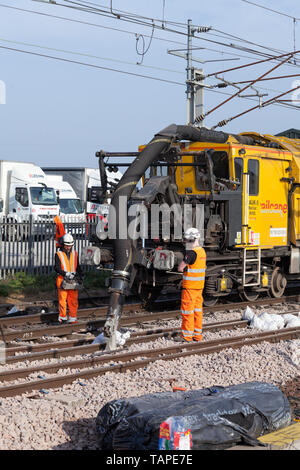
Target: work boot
180 339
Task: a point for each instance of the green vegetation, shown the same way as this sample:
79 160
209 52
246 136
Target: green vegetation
94 279
27 284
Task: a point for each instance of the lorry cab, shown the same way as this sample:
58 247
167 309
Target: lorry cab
28 194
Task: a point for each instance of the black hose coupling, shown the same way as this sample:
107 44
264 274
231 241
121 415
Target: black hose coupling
119 282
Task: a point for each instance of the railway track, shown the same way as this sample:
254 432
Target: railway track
121 362
37 326
93 361
100 312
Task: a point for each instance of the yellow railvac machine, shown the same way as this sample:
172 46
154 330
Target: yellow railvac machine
248 188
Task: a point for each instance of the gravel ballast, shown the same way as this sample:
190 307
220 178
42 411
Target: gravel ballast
41 421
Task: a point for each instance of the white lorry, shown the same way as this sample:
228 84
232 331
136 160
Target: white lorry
24 192
86 184
70 206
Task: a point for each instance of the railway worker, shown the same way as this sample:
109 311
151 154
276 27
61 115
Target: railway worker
59 232
193 267
68 269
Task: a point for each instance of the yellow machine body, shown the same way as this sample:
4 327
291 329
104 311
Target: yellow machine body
266 217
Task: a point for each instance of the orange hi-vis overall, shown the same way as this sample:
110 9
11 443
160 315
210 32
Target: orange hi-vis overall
191 297
67 297
60 230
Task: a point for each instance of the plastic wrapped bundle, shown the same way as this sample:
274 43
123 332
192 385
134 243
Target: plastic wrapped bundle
218 417
110 416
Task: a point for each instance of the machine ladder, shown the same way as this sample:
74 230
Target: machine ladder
251 259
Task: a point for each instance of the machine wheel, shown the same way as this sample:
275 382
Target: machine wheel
210 288
249 295
278 284
209 301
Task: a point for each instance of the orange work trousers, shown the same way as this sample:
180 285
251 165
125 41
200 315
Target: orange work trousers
70 298
192 314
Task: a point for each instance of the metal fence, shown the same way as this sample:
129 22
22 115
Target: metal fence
30 246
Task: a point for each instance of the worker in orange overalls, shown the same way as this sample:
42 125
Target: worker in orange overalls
67 268
193 267
60 231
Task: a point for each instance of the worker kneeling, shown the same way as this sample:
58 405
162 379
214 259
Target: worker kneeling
193 267
69 276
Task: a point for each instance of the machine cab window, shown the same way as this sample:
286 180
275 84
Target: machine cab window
253 170
220 166
239 169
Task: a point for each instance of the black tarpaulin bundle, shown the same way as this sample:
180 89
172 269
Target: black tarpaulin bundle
218 417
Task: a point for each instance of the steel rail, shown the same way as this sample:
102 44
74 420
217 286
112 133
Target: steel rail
53 316
75 347
98 311
150 356
98 322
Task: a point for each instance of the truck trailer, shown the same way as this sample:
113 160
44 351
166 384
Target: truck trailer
87 185
70 206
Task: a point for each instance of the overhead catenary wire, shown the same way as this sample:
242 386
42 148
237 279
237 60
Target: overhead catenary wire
293 18
111 69
95 9
97 25
128 15
120 71
63 18
73 20
270 9
269 78
140 20
92 56
86 64
105 27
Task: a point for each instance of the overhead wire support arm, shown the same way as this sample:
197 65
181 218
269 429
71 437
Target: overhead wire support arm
265 103
226 83
201 117
250 64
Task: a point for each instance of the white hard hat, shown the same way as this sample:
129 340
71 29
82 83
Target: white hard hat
191 234
68 239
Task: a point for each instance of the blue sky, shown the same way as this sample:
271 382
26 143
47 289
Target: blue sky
60 113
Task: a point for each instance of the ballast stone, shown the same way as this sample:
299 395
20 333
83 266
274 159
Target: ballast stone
69 400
